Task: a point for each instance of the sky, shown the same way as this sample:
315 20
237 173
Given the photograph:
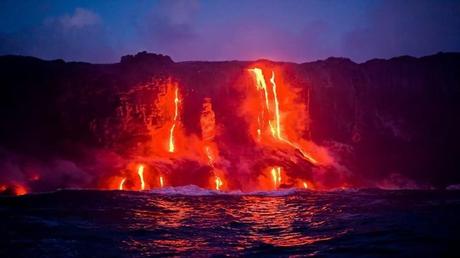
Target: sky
283 30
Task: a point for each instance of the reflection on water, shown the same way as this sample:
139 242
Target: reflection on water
131 224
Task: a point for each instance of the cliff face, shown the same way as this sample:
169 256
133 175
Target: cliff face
388 122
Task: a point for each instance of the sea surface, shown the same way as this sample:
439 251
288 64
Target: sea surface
189 221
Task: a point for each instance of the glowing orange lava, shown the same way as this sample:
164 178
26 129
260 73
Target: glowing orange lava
305 185
161 181
274 123
277 108
176 114
20 190
276 117
261 85
276 176
140 172
208 133
219 183
122 183
16 189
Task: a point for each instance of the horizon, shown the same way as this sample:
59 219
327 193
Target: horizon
291 31
235 60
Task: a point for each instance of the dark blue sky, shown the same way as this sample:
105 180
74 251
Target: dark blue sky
290 30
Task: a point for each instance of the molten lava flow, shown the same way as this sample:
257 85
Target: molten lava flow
140 172
261 85
218 182
276 176
305 185
209 155
277 108
275 123
208 121
161 181
176 114
304 153
208 133
122 183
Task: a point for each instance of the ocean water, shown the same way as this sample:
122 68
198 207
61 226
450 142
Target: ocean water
188 221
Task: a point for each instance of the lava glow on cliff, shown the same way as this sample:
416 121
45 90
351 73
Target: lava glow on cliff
275 153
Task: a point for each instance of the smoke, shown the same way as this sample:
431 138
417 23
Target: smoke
50 173
397 181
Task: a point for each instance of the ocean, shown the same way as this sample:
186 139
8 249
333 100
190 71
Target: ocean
189 221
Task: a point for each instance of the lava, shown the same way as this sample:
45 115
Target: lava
219 183
276 176
277 108
208 133
122 183
140 172
196 150
276 128
162 182
176 114
261 85
270 114
13 189
305 185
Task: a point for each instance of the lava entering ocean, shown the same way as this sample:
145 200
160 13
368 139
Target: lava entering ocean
273 154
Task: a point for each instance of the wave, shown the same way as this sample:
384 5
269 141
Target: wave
193 190
453 187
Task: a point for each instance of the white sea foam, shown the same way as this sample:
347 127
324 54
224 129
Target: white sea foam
193 190
453 187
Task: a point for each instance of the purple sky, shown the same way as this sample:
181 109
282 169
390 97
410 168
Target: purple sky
289 30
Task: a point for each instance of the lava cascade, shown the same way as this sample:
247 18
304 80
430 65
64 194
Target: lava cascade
279 155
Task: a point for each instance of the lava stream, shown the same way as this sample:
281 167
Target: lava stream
122 183
276 176
261 85
176 114
161 181
140 172
277 108
218 182
305 185
275 126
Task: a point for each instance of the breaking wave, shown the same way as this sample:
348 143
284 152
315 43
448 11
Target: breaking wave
193 190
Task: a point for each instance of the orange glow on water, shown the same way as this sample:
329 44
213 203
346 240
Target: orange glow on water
140 172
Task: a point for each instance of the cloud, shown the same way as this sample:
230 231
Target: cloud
405 28
168 28
79 19
75 37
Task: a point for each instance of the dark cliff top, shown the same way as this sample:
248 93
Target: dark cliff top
145 58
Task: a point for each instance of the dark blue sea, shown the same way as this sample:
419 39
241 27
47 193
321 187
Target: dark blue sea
194 222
